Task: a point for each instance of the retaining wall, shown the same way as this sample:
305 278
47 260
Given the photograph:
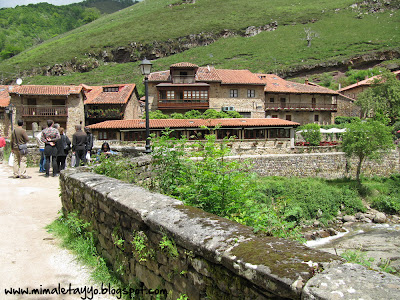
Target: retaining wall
209 258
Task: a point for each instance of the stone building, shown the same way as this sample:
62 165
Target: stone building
35 104
111 102
4 116
353 90
280 133
302 103
186 86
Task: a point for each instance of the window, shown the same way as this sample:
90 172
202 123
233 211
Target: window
245 114
313 102
279 133
275 116
283 100
135 136
233 93
288 117
31 101
58 102
316 118
272 100
107 135
170 95
251 93
204 95
111 89
254 134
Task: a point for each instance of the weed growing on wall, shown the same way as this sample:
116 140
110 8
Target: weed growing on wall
169 246
140 248
75 236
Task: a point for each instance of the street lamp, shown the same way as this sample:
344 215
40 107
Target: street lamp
145 68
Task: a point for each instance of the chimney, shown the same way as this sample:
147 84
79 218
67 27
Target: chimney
306 81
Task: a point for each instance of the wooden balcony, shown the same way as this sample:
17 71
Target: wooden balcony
44 111
300 107
183 104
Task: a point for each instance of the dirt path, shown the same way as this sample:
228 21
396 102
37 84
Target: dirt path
29 256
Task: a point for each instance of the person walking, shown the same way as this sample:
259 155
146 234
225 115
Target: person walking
18 139
63 146
2 145
49 137
41 145
79 145
89 143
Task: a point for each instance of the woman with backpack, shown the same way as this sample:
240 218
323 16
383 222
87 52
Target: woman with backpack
63 146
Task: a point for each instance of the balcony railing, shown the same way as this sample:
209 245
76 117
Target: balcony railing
183 104
301 106
183 79
44 111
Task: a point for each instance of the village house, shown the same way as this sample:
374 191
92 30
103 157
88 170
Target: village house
266 129
35 104
353 90
186 86
4 116
302 103
111 102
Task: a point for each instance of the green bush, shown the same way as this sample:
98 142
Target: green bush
311 133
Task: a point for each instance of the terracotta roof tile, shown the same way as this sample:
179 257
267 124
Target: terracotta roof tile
52 90
184 65
96 95
276 84
238 77
4 96
187 123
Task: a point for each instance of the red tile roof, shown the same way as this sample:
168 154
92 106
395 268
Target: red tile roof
95 94
4 96
206 74
365 82
184 65
51 90
275 84
187 123
238 77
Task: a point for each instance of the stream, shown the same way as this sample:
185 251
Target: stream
379 241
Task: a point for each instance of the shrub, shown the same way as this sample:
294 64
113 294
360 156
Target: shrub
311 133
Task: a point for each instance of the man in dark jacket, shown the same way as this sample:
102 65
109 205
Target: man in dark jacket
50 135
79 145
19 137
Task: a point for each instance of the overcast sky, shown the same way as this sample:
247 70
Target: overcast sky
13 3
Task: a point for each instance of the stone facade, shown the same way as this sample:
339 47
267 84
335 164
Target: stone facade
300 107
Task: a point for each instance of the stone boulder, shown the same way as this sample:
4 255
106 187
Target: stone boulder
380 217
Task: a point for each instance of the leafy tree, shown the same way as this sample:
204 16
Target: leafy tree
158 114
382 98
192 114
177 116
312 134
369 139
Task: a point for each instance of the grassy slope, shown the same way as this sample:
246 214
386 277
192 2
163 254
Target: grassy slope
268 51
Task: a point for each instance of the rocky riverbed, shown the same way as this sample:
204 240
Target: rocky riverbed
373 232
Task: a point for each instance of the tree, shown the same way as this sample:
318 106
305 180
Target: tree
312 134
382 98
310 35
370 139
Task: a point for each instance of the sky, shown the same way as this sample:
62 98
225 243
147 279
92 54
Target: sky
13 3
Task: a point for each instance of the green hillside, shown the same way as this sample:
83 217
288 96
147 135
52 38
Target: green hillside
344 31
27 25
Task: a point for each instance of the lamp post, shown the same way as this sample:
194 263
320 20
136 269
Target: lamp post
10 110
145 68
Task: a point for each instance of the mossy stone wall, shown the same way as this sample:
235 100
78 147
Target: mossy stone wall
207 257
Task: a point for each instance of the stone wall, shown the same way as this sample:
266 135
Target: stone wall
324 165
208 257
